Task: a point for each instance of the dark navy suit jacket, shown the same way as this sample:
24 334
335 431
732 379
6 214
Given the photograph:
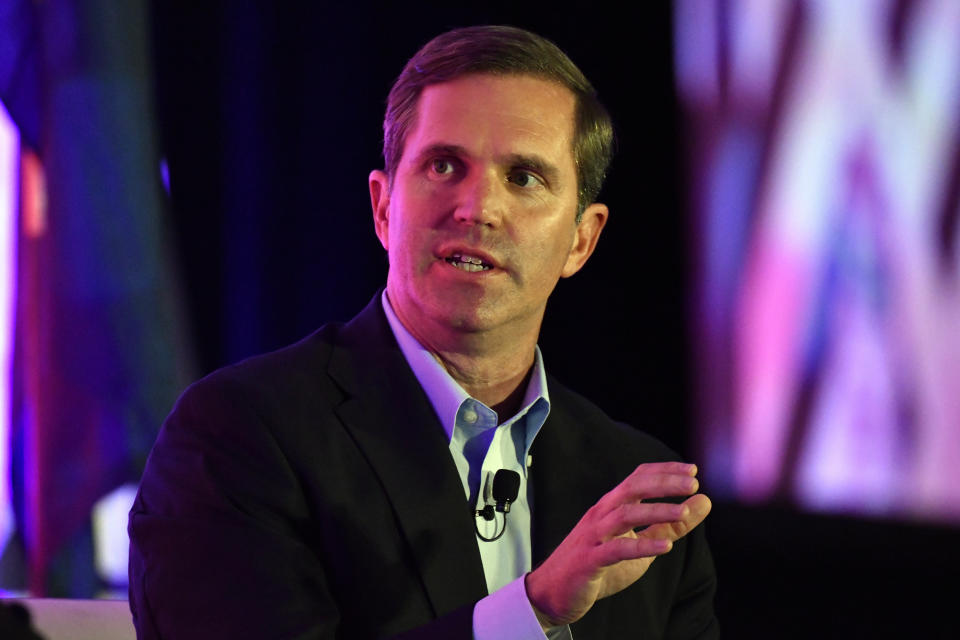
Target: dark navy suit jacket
310 493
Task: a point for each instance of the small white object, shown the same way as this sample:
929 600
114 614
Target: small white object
110 543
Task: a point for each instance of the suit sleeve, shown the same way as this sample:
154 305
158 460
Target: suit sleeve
692 615
219 534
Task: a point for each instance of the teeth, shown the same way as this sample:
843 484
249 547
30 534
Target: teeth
468 266
467 263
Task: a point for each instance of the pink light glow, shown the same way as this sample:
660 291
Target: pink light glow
9 158
828 320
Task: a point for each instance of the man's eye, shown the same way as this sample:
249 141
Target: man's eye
524 179
442 166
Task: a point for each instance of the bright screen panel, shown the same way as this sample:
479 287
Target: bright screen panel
823 173
9 162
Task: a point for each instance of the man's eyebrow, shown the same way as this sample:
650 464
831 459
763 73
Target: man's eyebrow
440 149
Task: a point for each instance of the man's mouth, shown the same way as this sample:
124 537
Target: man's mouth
468 263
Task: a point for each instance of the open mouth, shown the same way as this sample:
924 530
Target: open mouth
468 263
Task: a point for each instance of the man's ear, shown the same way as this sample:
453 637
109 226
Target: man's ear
585 239
380 202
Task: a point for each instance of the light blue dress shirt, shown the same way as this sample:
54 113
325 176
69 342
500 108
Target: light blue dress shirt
480 447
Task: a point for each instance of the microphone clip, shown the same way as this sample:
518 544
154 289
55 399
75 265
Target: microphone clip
486 513
506 488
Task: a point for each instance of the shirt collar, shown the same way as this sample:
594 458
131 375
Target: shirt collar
445 394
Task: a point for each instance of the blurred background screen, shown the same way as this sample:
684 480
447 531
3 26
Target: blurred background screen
822 150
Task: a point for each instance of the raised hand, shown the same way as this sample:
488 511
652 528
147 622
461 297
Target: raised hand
604 554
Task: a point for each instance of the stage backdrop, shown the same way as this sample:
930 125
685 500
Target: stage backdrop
99 343
823 154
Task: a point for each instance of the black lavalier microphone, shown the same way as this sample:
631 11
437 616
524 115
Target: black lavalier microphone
506 487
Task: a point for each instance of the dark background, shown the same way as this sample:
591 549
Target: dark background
270 120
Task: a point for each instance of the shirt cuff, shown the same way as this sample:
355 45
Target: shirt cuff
506 614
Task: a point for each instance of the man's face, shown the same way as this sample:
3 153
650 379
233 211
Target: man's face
480 222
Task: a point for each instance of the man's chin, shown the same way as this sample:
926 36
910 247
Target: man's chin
471 317
469 312
482 319
469 321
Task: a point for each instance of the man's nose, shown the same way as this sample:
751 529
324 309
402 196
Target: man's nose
483 199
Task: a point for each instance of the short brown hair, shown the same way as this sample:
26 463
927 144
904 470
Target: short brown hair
502 50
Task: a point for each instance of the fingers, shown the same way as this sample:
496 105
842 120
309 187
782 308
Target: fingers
590 562
652 480
628 507
630 548
628 516
658 480
658 538
699 507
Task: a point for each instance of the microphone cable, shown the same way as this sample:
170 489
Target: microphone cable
506 488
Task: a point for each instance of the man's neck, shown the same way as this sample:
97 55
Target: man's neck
492 366
498 382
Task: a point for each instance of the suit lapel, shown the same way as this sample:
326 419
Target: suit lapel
556 505
573 467
567 475
394 424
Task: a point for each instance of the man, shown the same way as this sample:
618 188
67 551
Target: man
334 488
